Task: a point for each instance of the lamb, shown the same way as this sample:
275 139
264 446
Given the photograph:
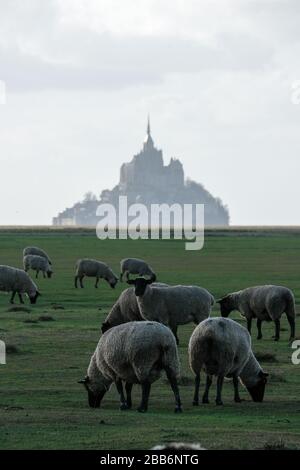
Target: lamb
222 347
135 352
34 250
172 305
136 266
125 309
37 263
17 281
264 303
94 268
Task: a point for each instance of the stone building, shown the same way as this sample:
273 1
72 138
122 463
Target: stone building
145 179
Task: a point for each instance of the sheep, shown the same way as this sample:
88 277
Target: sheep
125 309
264 303
172 305
37 263
136 266
135 352
34 250
94 268
222 348
17 281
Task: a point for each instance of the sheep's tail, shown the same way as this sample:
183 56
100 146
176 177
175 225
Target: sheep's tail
170 359
290 306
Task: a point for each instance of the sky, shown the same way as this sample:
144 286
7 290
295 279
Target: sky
220 79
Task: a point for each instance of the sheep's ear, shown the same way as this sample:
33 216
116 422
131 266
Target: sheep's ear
38 293
263 374
149 281
131 281
218 301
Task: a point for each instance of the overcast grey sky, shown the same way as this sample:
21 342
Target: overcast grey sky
216 77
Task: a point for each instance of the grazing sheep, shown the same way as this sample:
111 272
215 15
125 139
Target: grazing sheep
37 263
34 250
15 280
125 309
172 305
94 268
264 303
135 352
136 266
222 347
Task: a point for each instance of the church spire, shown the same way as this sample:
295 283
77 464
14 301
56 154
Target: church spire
148 142
148 126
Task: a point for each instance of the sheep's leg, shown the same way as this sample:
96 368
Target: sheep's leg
37 274
96 284
277 330
146 387
121 277
174 330
12 297
249 323
80 282
75 281
196 393
20 298
174 386
259 333
207 387
44 275
127 275
123 404
128 388
237 398
219 390
292 326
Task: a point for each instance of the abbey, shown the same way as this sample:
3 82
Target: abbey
148 181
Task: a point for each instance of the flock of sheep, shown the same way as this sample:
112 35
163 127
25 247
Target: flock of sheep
139 335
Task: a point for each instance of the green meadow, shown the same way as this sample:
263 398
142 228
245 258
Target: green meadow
49 347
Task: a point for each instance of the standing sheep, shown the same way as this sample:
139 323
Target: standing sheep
136 266
264 303
135 352
15 280
125 309
172 305
37 263
222 347
34 250
94 268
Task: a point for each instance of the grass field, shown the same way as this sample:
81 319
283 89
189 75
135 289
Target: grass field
43 407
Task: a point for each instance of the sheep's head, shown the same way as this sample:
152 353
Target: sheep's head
257 391
112 280
140 284
105 327
33 297
226 305
96 391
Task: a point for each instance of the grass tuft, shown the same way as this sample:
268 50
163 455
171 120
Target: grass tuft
46 318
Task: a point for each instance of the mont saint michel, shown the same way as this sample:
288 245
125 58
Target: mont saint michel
147 180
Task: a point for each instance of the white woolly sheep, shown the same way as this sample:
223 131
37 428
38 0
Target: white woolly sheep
37 264
125 309
222 348
135 352
94 268
136 266
15 280
264 303
172 305
34 250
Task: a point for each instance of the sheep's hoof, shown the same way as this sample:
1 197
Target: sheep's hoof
178 409
205 401
124 407
196 403
276 339
238 400
219 402
141 409
259 337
